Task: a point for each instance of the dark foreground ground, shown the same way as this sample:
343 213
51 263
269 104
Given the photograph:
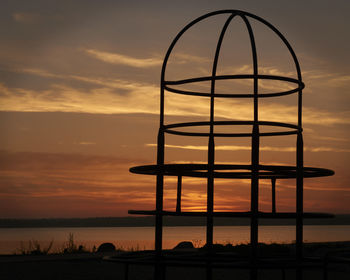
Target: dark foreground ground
92 266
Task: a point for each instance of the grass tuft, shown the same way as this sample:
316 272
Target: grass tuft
34 247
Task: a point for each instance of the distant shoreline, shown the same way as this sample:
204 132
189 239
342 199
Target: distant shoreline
343 219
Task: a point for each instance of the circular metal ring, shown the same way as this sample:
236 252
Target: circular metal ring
292 129
230 171
299 87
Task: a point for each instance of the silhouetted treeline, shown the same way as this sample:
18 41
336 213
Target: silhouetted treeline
168 221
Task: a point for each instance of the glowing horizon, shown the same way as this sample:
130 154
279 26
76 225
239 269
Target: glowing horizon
80 107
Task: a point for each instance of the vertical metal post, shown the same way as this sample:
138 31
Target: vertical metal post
210 193
273 192
299 183
299 205
158 271
210 189
211 153
211 145
159 206
178 195
254 199
254 203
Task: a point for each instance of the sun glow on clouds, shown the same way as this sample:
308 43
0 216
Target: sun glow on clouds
88 182
104 97
248 148
116 58
91 182
87 143
99 71
99 183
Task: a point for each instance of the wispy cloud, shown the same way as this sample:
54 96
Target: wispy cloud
41 73
182 58
263 70
102 100
248 148
87 143
104 82
340 80
104 97
326 78
310 76
330 138
100 185
327 149
144 98
116 58
26 17
70 181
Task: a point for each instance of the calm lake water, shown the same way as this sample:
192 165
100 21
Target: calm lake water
143 237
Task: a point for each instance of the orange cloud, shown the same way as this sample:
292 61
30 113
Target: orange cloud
104 98
116 58
248 148
58 185
52 177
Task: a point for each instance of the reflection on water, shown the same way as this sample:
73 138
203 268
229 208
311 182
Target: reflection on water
140 238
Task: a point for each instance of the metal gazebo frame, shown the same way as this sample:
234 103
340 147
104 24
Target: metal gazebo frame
211 170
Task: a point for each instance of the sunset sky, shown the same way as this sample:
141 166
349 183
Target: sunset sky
79 102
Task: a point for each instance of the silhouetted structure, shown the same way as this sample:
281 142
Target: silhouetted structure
255 171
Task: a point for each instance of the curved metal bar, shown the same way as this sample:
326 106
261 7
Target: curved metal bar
242 14
233 77
295 59
211 143
239 76
254 176
255 66
234 12
168 129
231 95
232 171
216 134
232 123
167 55
200 134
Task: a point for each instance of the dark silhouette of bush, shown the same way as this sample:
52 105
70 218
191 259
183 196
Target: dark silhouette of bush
106 247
